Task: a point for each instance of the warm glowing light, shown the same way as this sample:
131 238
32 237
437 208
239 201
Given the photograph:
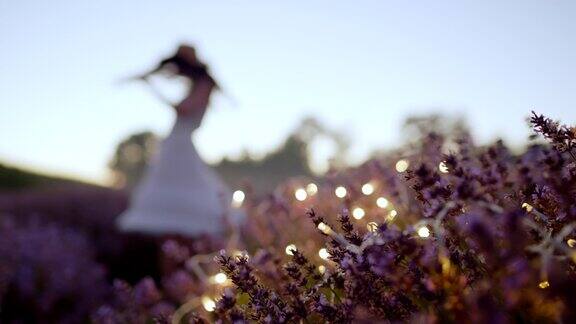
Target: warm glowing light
290 249
312 189
301 194
238 198
341 192
423 232
573 257
527 207
220 278
240 254
443 167
402 165
368 189
571 243
391 215
382 202
446 265
321 269
323 253
544 284
372 226
324 228
208 303
358 213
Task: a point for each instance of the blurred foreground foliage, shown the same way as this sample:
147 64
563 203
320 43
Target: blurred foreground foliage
438 230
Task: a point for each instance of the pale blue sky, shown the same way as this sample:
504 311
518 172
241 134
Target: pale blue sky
361 66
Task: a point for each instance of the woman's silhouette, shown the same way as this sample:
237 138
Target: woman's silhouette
180 194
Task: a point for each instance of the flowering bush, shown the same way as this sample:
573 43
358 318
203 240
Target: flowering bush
442 230
47 274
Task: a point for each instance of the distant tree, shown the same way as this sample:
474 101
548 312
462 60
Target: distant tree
132 157
418 127
290 159
263 174
311 129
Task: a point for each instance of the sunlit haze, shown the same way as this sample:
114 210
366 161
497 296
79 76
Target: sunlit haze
361 67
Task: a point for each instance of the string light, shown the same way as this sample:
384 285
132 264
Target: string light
527 207
544 284
368 189
358 213
402 165
446 265
208 303
382 202
323 253
443 167
571 243
239 253
220 278
324 228
312 189
423 232
238 198
372 226
290 249
391 215
321 269
300 194
340 192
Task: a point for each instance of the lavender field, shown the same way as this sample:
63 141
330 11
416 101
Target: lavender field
440 230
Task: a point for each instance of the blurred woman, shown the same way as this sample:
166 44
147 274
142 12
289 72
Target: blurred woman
180 194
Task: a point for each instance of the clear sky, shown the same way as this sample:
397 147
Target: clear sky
360 66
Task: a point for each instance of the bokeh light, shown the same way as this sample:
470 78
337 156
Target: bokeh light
544 284
324 228
290 249
323 253
358 213
391 215
300 194
442 167
340 192
382 202
312 189
368 189
424 232
220 278
372 226
208 303
238 198
527 207
402 165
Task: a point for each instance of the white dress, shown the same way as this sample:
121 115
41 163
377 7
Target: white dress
179 194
